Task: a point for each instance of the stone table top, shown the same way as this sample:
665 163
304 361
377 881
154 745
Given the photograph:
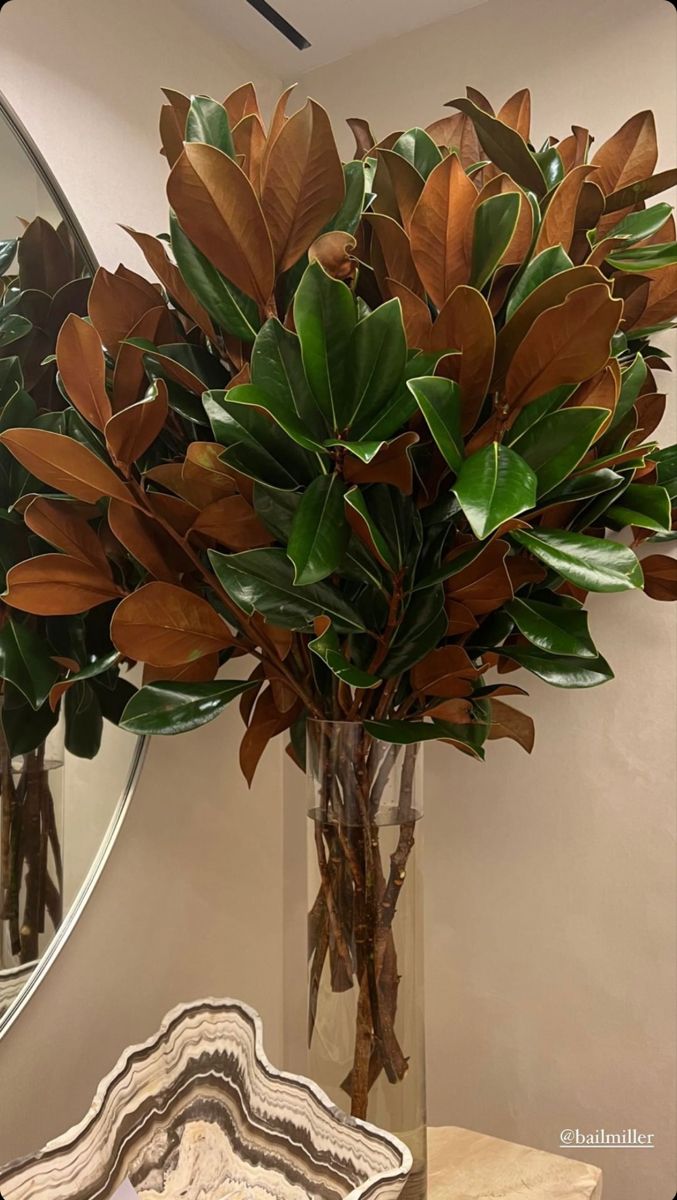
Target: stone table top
463 1165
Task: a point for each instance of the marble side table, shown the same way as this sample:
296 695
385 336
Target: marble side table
463 1165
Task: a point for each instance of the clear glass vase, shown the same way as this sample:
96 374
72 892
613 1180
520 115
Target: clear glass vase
31 851
364 1019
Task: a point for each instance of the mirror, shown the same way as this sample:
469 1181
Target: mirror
66 770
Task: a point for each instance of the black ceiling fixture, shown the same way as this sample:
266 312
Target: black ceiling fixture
278 22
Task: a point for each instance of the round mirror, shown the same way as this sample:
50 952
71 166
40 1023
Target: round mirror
66 769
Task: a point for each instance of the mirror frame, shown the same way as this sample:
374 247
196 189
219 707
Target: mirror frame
70 919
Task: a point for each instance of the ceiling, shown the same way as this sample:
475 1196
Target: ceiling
335 28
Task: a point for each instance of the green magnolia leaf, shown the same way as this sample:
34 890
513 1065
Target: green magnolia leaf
632 381
494 485
422 628
537 409
12 328
7 252
113 700
560 671
25 728
208 122
419 149
263 581
666 469
236 313
365 451
249 395
504 147
18 411
439 400
348 216
495 223
551 166
549 262
325 317
553 628
634 193
378 357
644 505
11 378
592 563
168 708
276 509
384 551
639 225
277 368
406 733
644 258
84 721
319 532
326 647
557 443
26 662
402 405
583 487
255 442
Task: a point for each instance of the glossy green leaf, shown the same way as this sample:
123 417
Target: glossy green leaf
642 504
384 551
325 317
592 563
25 727
365 451
557 443
632 381
263 581
634 193
207 121
549 262
26 662
277 368
378 357
560 671
439 400
7 252
326 646
639 225
276 509
407 733
419 149
504 147
236 313
13 327
551 166
583 487
319 532
537 409
168 708
421 630
84 721
240 429
644 258
666 469
493 485
551 627
495 223
348 216
284 415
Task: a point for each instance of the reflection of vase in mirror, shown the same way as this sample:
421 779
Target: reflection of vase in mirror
56 822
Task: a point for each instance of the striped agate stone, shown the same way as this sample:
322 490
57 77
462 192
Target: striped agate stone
198 1113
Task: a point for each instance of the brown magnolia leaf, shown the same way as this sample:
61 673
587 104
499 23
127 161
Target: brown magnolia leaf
171 134
516 112
334 252
248 698
56 522
277 122
484 585
129 376
115 305
174 511
447 671
465 323
391 464
438 230
64 464
156 256
243 102
633 290
480 100
265 723
82 368
282 639
660 576
167 626
601 391
198 490
203 670
543 298
566 344
629 156
304 183
460 618
509 722
58 584
364 138
44 264
458 133
557 227
204 474
457 710
519 246
249 139
661 303
398 186
574 148
134 429
396 250
146 540
218 210
416 318
232 522
650 410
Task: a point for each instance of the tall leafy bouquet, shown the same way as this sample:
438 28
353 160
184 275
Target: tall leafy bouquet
378 428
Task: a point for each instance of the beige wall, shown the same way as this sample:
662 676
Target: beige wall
550 928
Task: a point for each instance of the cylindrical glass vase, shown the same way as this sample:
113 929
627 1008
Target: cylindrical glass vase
365 1019
31 849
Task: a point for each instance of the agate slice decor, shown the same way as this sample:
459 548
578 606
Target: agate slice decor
198 1113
